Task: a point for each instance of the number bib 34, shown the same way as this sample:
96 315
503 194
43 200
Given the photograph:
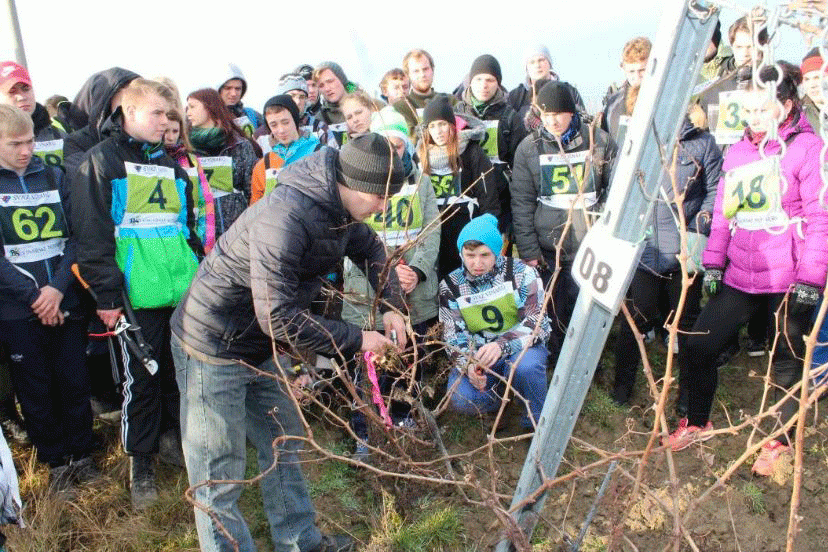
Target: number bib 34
219 173
490 312
489 143
402 219
562 181
753 195
729 127
33 226
50 152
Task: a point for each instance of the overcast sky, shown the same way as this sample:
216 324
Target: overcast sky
191 42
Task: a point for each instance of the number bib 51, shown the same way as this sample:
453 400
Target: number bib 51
753 194
219 173
33 225
562 181
402 219
729 124
490 312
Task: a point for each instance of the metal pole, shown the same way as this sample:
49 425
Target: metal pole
609 253
14 25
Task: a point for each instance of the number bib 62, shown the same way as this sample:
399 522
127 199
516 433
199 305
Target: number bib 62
490 312
753 194
33 226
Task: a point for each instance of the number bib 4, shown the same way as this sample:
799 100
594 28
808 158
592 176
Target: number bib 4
271 179
490 312
489 143
562 181
33 225
753 194
151 197
219 173
402 219
729 127
50 152
245 124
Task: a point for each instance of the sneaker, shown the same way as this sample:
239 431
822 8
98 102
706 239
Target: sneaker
335 543
142 487
686 435
769 457
60 479
14 430
731 351
84 470
755 348
169 448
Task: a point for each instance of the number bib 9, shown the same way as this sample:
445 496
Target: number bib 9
729 127
245 124
489 143
219 173
50 152
562 180
402 219
271 176
490 312
33 226
753 194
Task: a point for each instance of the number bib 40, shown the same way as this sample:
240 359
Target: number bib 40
33 225
402 219
562 181
50 152
219 173
489 143
490 312
753 194
729 127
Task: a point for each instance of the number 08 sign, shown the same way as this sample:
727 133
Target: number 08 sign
603 266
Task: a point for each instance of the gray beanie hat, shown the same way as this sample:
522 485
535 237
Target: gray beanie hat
336 69
539 50
291 82
369 164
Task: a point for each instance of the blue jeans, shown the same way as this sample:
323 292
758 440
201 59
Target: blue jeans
529 381
221 407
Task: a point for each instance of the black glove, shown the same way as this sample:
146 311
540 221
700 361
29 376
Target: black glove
803 298
712 281
703 221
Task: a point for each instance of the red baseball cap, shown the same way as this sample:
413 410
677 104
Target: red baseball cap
11 73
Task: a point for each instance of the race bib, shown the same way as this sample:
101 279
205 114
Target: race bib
490 312
420 111
402 219
753 195
152 198
271 176
50 152
33 225
562 181
729 126
623 125
447 185
245 124
340 132
219 173
489 143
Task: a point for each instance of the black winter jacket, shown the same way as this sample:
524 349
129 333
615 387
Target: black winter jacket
264 272
510 131
20 283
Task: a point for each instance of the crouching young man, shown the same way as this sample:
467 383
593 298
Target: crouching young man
251 295
490 308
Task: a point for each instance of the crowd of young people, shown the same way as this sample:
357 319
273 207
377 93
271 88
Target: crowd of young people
214 228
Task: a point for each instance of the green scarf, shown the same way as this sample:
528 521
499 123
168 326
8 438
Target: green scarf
208 140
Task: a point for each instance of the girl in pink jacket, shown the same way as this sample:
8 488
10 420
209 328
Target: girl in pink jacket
768 245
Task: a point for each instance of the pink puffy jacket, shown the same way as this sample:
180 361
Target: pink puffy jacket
757 261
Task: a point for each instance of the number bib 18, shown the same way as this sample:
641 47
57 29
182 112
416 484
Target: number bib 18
402 219
33 225
729 124
152 198
489 143
219 173
490 312
604 265
271 179
562 180
245 124
51 152
753 194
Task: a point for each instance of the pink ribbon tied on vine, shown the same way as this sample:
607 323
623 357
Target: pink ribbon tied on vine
375 389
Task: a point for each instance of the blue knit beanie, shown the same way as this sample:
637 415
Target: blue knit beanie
484 230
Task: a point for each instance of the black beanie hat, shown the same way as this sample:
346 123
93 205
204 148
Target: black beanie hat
287 102
556 97
368 163
439 109
486 64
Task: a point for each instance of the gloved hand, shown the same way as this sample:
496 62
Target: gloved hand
703 221
712 281
804 297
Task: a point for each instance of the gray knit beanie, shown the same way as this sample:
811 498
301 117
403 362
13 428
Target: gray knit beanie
370 164
291 82
336 69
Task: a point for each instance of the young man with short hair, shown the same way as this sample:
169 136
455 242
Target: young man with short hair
253 295
419 66
133 217
489 308
232 89
313 105
333 85
813 99
618 107
41 317
538 62
394 86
